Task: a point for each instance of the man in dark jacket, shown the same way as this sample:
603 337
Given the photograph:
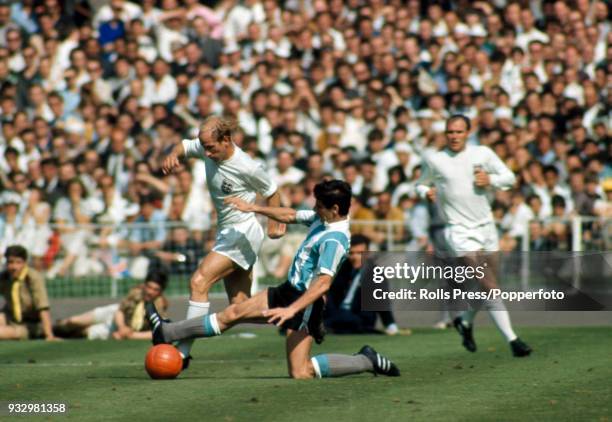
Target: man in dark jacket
343 313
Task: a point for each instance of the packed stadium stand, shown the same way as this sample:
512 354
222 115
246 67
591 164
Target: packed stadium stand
94 94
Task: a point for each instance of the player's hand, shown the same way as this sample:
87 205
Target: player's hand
239 204
431 194
52 338
481 179
278 316
276 231
125 332
170 163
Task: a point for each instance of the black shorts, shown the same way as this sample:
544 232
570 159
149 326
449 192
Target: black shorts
310 318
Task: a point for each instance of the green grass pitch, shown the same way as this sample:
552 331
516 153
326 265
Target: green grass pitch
569 377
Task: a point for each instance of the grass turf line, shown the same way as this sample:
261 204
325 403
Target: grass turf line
234 379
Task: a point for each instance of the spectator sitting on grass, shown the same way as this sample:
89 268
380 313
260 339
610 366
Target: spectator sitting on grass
121 321
26 314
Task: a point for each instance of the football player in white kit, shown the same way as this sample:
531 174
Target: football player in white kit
457 177
229 172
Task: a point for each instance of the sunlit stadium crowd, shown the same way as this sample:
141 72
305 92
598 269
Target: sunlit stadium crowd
93 95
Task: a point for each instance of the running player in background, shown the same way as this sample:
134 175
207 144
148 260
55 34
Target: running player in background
297 304
229 172
457 178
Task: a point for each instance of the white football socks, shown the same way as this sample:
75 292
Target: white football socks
498 313
500 316
195 309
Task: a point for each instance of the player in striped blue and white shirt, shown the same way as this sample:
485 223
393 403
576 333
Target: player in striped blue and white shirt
296 305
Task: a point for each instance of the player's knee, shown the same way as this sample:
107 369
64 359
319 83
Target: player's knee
302 372
199 283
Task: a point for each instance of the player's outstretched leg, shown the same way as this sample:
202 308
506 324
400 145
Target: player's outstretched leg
207 325
156 322
366 360
165 332
381 364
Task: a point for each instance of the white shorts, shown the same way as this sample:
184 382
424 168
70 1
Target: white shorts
240 242
461 240
105 324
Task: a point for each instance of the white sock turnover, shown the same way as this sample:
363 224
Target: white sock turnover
195 309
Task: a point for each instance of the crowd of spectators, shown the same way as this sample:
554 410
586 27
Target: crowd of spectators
94 93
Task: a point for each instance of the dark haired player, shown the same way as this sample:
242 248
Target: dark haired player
297 304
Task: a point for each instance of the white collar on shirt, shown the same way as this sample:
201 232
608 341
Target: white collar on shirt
338 225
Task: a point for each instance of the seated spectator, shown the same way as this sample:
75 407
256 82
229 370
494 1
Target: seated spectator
181 253
146 236
603 207
196 206
36 232
537 237
418 220
26 314
285 172
72 214
516 220
121 321
387 214
10 222
359 213
343 313
557 228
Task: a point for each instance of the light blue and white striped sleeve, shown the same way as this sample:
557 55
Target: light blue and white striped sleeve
331 255
306 217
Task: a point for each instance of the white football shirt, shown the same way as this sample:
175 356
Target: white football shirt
239 176
459 200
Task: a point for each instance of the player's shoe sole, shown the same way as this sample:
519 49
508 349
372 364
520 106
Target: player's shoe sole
381 364
466 334
156 322
519 348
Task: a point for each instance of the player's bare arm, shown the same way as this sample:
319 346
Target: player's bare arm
276 230
45 318
280 214
316 290
173 160
123 331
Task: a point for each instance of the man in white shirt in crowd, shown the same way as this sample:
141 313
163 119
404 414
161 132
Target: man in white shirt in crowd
285 172
457 178
229 172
